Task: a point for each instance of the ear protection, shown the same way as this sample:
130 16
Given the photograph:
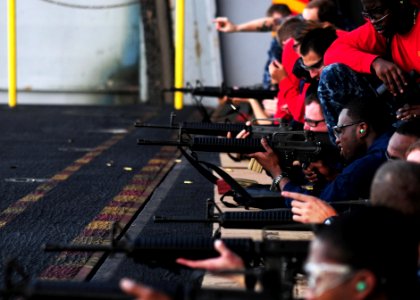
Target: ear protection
361 286
362 131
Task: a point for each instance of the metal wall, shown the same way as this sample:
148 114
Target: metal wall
66 49
202 60
71 50
244 54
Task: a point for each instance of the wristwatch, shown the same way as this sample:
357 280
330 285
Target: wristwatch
275 184
330 220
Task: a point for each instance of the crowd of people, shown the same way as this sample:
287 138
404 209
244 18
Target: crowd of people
362 88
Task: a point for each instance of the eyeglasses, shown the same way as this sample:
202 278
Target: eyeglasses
325 276
316 65
375 16
313 123
338 130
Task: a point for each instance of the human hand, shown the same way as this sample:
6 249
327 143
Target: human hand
238 100
141 291
285 108
270 106
310 174
390 74
277 71
224 25
309 209
408 112
243 134
316 168
227 260
268 159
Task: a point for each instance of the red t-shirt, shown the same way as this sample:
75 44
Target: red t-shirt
358 48
289 87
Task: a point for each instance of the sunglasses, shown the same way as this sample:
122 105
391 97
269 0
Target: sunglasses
316 65
338 130
313 123
372 17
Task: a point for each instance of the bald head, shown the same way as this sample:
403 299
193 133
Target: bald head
396 185
398 145
405 135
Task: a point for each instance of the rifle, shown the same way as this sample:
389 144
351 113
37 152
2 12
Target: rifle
18 285
290 146
68 290
152 249
282 217
64 290
222 91
242 219
217 129
283 259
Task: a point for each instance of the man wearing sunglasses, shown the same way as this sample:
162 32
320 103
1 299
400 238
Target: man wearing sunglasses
312 48
383 50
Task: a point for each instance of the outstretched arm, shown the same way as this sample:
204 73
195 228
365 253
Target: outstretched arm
223 24
309 209
227 260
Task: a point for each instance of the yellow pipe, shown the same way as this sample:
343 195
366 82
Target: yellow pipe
11 39
179 52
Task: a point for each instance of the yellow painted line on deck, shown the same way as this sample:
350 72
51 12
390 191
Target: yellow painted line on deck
123 207
15 209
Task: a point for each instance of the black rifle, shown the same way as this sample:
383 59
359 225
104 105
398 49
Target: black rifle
222 91
243 219
167 250
290 146
217 129
57 290
282 217
71 290
63 290
283 259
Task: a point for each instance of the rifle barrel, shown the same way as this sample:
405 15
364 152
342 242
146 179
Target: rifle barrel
163 219
240 219
66 290
220 91
161 143
148 125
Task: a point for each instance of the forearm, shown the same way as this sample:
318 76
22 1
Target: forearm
259 112
263 24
